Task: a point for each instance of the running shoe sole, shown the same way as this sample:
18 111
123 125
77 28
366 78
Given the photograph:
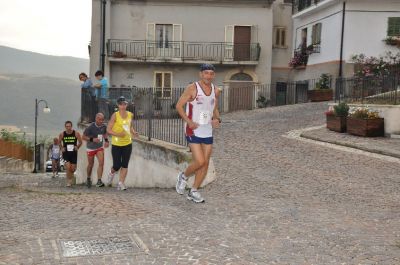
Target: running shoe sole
193 200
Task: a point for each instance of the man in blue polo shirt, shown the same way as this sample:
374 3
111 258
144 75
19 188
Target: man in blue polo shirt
102 93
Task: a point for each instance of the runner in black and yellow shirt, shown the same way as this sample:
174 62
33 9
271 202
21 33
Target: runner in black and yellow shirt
70 141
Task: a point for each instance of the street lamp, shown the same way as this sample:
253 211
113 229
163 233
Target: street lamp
45 110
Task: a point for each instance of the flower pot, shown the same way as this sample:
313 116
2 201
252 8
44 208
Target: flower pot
318 95
366 127
336 123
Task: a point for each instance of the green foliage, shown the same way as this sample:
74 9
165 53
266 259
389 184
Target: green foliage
16 138
342 109
323 82
262 102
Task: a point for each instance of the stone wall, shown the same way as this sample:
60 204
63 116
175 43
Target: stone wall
153 164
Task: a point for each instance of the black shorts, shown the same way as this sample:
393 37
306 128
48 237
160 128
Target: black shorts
71 157
121 156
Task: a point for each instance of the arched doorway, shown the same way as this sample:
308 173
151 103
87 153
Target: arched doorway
241 92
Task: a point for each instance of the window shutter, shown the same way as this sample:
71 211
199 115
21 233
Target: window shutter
283 37
150 39
254 34
177 39
229 35
319 30
393 26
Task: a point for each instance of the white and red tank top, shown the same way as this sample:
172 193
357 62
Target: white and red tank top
200 110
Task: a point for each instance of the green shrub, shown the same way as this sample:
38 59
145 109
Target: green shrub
342 109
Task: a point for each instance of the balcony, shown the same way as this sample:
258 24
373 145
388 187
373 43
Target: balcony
300 5
183 52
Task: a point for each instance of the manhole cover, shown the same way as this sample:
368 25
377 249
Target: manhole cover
94 247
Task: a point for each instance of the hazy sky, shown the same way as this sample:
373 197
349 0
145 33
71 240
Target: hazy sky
53 27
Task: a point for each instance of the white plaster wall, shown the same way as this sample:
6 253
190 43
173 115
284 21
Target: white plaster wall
366 30
200 22
331 19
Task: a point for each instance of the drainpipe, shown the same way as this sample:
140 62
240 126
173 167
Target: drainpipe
341 41
103 35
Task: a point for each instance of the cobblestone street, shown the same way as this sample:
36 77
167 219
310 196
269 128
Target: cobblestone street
276 201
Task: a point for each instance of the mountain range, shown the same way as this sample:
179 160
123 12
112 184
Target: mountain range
25 76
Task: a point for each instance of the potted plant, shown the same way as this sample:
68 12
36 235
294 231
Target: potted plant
262 102
336 119
365 122
299 60
394 41
322 91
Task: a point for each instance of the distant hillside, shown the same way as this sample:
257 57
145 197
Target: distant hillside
14 61
18 93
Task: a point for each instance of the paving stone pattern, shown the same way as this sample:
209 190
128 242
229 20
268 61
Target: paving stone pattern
276 201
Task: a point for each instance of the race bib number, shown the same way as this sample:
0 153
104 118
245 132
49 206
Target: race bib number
100 137
205 117
126 127
56 150
70 147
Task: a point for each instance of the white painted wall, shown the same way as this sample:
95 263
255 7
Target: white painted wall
331 19
364 30
200 22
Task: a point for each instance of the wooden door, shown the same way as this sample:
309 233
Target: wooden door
241 96
242 39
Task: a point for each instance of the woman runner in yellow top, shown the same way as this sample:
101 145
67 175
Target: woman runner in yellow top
121 129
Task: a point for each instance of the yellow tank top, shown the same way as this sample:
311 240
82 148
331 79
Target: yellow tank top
121 125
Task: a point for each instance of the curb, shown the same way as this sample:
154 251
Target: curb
371 150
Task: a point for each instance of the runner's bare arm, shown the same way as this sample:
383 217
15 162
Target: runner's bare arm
85 135
216 111
78 136
216 118
60 142
188 95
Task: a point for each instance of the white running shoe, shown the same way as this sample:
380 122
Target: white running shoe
110 178
195 196
121 186
180 184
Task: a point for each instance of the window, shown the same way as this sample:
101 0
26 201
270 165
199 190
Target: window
393 27
164 40
163 35
163 84
316 34
280 37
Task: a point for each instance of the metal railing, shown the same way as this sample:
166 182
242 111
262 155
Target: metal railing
183 50
300 5
369 90
156 117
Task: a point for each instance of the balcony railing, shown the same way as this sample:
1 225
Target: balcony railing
300 5
183 51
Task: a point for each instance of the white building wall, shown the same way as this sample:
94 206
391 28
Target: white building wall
331 19
203 23
366 27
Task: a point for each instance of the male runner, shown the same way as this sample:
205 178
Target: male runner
201 116
95 135
70 141
54 151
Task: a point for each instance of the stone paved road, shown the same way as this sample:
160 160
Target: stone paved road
277 201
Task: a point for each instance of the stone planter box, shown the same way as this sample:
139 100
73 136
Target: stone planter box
336 123
366 127
318 95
